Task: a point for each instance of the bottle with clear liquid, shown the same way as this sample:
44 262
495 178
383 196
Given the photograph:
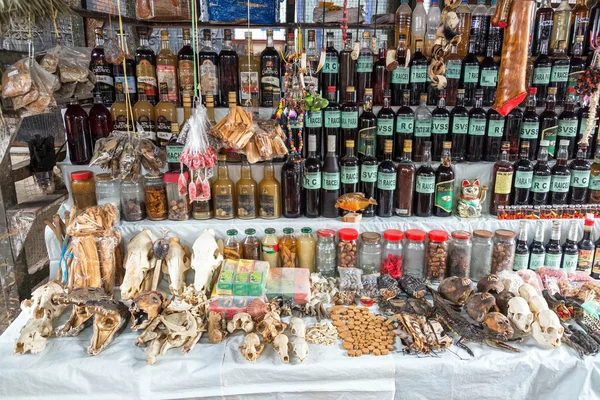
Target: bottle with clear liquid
418 74
400 78
561 177
311 193
347 68
403 21
405 125
433 21
561 25
580 178
480 22
463 13
418 26
423 120
553 248
364 67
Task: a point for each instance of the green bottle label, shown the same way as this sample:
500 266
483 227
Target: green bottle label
314 119
331 181
541 183
489 77
425 184
567 128
422 128
453 69
536 261
386 181
495 127
365 134
444 195
173 153
521 261
385 127
471 74
580 179
549 134
529 130
405 124
560 73
418 74
364 64
440 124
569 262
477 127
523 179
312 180
349 119
541 75
560 183
552 261
331 65
368 173
349 174
460 125
573 78
401 75
332 119
594 182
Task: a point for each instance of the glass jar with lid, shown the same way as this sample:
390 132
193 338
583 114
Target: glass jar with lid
83 189
133 202
306 250
370 253
155 191
481 254
414 253
325 256
202 209
503 253
251 245
179 205
459 254
107 190
269 248
231 247
346 248
437 255
392 253
288 246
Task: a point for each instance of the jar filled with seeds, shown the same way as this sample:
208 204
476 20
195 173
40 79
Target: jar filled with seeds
481 254
503 254
459 254
346 248
325 256
155 191
414 253
437 255
133 201
231 247
288 246
369 252
179 205
391 256
251 245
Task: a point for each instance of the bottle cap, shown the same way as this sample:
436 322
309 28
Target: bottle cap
232 98
544 143
389 145
81 175
393 234
370 237
269 32
174 128
232 232
416 234
365 35
164 35
349 143
505 234
326 233
579 38
369 92
532 90
270 231
227 33
438 235
563 143
461 235
306 230
525 145
387 93
250 231
408 146
571 90
329 34
461 91
552 90
482 234
331 89
505 146
288 231
350 89
447 145
348 234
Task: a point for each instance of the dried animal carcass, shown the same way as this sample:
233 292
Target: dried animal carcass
81 316
479 304
145 308
456 289
217 327
419 334
110 318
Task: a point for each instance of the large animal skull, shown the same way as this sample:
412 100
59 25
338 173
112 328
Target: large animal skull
241 321
280 344
176 264
299 348
137 265
520 314
33 336
297 327
41 304
537 304
511 281
110 318
251 347
81 316
206 257
547 330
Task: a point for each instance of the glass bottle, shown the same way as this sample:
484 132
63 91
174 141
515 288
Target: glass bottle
232 247
332 122
251 245
79 137
208 70
166 68
330 70
349 170
561 25
567 124
502 181
405 125
543 25
542 176
269 248
268 193
246 190
144 114
119 112
223 191
542 69
425 184
385 125
364 67
594 187
403 22
367 123
174 148
538 252
291 186
228 69
453 69
349 120
368 177
480 22
570 250
185 65
166 113
586 260
312 60
580 18
423 120
418 74
100 120
582 115
401 74
418 26
577 64
433 22
495 33
549 122
313 125
521 261
559 77
531 123
145 70
289 51
306 250
523 177
126 85
512 132
553 249
386 183
102 70
405 179
311 195
463 12
470 74
460 127
249 75
440 126
488 77
288 248
381 77
561 177
347 68
270 91
477 124
330 185
444 184
580 177
494 134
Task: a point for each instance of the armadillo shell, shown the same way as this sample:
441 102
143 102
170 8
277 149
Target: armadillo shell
414 287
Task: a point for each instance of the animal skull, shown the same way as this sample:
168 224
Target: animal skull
520 314
270 327
499 324
145 308
526 291
299 348
41 304
110 318
547 330
206 257
33 336
176 265
511 281
241 321
537 304
137 264
297 327
280 344
251 347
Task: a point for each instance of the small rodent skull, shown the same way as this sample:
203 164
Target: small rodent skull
299 348
297 327
280 344
251 347
547 330
520 314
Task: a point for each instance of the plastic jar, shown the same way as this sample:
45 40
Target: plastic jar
251 245
369 253
459 254
179 206
83 189
306 250
155 192
133 202
414 253
392 253
437 255
107 190
346 248
481 254
325 256
503 254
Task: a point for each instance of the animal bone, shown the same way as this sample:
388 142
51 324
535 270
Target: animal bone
176 264
206 257
479 304
33 336
511 281
546 329
81 316
251 347
299 348
41 305
526 291
324 333
241 321
297 327
490 283
110 318
216 327
280 344
520 315
537 304
498 323
270 327
145 308
502 300
137 265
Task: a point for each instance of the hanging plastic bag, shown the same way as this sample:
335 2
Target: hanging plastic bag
46 84
16 80
73 66
50 60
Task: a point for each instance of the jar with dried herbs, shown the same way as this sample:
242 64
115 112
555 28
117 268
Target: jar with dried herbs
288 246
83 189
306 250
133 201
156 197
251 245
459 255
269 248
179 205
232 247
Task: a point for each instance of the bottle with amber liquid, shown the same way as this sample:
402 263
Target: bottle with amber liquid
249 75
477 124
400 78
425 184
145 70
223 191
453 70
580 178
330 184
166 113
268 193
385 125
368 176
542 175
291 186
331 68
561 177
270 92
349 170
405 182
594 186
502 181
381 77
440 126
386 183
523 177
367 123
543 25
101 124
119 113
174 149
530 125
418 74
349 120
166 68
542 69
187 105
423 119
459 119
312 77
405 125
228 69
444 184
493 137
561 26
347 68
185 65
364 67
144 114
559 76
246 190
102 70
311 193
125 76
549 122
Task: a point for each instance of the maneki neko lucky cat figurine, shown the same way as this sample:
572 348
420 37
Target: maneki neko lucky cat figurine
472 195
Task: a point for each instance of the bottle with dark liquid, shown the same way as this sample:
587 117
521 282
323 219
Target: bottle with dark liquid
580 178
477 124
522 249
423 119
425 184
330 184
185 67
543 25
349 170
488 77
329 72
368 177
145 70
580 18
367 123
347 68
583 114
594 187
440 127
418 74
311 193
444 184
364 67
381 77
567 123
542 68
405 125
312 78
405 181
460 127
586 259
577 65
453 69
561 177
291 186
332 121
570 250
349 119
270 92
100 120
553 249
401 75
385 125
494 134
102 70
542 176
530 124
79 137
496 34
463 12
228 69
470 75
523 177
502 181
386 183
313 125
559 77
512 132
538 252
549 122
